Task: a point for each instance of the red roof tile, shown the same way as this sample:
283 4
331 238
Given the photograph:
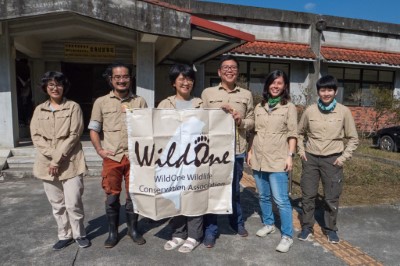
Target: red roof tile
278 49
360 56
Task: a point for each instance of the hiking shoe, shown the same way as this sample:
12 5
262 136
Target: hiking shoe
285 244
267 229
242 231
332 237
306 235
209 241
62 244
83 242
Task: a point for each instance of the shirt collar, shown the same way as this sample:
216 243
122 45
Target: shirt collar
236 89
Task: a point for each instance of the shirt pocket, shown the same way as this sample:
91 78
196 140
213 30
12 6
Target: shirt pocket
63 124
215 103
335 125
111 119
241 106
44 128
277 122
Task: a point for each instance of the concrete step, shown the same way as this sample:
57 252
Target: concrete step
23 151
22 173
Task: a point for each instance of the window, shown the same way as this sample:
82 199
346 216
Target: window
356 85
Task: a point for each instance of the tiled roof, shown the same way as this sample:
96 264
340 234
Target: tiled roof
275 49
360 56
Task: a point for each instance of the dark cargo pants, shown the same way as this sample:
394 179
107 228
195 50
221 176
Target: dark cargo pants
314 169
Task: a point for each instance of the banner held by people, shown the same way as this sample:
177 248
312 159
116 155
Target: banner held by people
181 161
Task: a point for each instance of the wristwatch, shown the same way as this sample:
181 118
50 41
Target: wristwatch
291 154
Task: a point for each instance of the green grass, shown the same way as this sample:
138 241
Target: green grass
366 148
366 181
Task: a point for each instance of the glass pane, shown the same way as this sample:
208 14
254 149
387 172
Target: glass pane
367 95
351 94
242 67
212 67
352 73
257 86
370 75
261 69
386 76
337 72
283 67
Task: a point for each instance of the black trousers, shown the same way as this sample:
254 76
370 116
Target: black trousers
186 226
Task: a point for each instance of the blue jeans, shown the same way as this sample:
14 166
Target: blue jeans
236 218
277 183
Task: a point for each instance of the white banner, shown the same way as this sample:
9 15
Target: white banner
181 161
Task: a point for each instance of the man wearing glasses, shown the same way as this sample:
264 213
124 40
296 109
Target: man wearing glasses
238 102
108 115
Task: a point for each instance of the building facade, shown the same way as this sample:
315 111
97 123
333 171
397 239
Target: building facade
81 38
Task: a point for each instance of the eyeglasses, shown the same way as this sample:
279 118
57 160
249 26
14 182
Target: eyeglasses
188 80
117 78
226 68
52 86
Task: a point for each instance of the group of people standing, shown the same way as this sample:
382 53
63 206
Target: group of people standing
325 137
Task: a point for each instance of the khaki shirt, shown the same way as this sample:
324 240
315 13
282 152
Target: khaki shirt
325 132
109 110
239 99
170 103
273 128
57 134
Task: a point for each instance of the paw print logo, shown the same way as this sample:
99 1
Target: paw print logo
203 139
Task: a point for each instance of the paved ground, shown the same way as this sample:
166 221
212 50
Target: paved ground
28 231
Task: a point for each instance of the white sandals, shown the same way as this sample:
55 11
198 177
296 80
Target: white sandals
174 243
189 245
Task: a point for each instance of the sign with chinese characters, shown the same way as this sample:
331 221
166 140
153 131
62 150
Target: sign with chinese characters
92 50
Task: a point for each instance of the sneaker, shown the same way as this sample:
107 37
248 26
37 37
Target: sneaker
242 231
62 244
209 241
285 244
332 237
267 229
83 242
306 235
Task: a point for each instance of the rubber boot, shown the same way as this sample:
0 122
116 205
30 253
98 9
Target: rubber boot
131 221
112 240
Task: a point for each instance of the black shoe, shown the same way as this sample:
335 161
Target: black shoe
306 235
242 231
83 242
209 241
332 237
62 244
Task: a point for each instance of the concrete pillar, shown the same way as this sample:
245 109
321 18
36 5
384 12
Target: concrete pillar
145 71
9 131
200 80
316 37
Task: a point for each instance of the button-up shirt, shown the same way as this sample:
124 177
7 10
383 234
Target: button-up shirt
239 99
273 128
110 112
56 136
325 132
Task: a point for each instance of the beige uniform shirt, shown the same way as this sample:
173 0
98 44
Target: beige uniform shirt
110 111
273 128
170 103
239 99
56 134
325 132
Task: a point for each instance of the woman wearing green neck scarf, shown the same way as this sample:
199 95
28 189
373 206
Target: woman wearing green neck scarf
271 154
